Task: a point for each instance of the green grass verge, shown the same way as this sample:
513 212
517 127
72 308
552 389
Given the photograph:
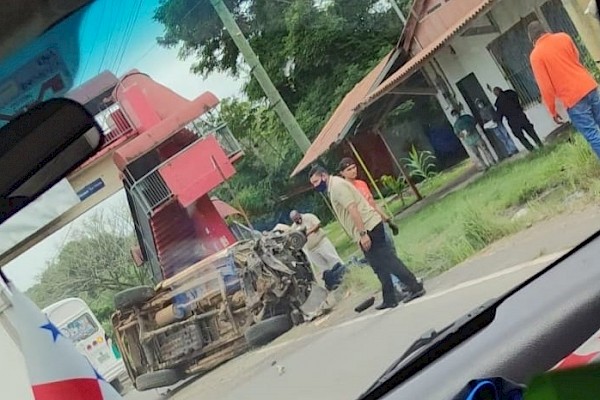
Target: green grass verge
447 232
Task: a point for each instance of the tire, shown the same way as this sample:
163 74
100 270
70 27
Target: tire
133 297
268 330
117 385
157 379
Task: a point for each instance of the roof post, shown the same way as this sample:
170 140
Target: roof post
403 171
369 175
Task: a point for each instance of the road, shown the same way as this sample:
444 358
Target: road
341 361
337 358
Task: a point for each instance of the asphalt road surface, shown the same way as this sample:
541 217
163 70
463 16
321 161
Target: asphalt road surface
330 359
341 361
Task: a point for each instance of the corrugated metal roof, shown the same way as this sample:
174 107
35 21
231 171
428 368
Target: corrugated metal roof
343 116
416 62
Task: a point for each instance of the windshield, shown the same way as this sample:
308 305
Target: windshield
290 193
80 329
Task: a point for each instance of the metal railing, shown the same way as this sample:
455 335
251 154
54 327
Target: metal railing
222 133
151 190
114 123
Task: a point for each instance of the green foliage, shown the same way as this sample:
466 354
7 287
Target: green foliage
396 185
313 52
421 164
94 264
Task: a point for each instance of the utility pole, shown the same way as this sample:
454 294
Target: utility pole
398 11
261 76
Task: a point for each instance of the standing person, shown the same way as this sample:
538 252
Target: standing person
318 248
349 172
465 127
494 123
508 105
560 75
366 228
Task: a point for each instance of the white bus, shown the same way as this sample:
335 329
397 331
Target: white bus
77 322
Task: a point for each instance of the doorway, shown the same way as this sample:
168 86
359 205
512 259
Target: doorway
471 90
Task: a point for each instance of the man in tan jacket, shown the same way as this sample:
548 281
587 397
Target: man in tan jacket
365 225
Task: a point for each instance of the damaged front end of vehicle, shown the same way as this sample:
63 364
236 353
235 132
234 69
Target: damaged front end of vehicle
244 296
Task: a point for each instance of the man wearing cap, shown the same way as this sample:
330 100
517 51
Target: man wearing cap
318 248
367 229
349 172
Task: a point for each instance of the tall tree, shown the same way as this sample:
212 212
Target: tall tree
314 52
94 264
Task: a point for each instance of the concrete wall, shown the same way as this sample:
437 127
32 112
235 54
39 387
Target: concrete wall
104 169
465 55
588 26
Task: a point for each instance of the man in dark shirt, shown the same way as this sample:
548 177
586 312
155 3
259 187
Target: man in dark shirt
509 106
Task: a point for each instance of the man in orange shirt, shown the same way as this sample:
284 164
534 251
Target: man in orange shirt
560 75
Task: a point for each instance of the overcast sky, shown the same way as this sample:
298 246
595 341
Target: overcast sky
120 35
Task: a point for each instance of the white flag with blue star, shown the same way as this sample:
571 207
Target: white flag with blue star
57 371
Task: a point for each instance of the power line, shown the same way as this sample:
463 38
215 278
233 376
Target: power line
107 47
155 44
128 35
87 62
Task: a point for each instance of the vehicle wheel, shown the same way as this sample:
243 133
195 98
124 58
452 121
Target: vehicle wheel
133 296
117 385
268 330
296 317
157 379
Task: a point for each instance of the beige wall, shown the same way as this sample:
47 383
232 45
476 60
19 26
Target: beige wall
588 26
105 169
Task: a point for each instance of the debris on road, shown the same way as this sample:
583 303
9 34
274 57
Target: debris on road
365 304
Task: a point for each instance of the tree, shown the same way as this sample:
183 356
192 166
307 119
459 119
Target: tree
314 52
94 264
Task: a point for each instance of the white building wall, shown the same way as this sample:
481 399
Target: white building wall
466 55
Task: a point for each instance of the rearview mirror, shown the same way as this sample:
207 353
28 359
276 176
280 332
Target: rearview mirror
42 146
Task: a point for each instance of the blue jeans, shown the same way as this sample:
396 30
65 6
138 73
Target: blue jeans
585 117
504 137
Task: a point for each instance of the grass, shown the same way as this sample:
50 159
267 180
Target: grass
446 232
429 187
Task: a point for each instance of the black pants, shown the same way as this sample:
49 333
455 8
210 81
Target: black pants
385 264
519 125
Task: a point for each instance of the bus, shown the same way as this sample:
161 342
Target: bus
77 322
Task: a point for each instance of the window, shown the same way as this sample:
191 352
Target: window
80 328
511 51
559 21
